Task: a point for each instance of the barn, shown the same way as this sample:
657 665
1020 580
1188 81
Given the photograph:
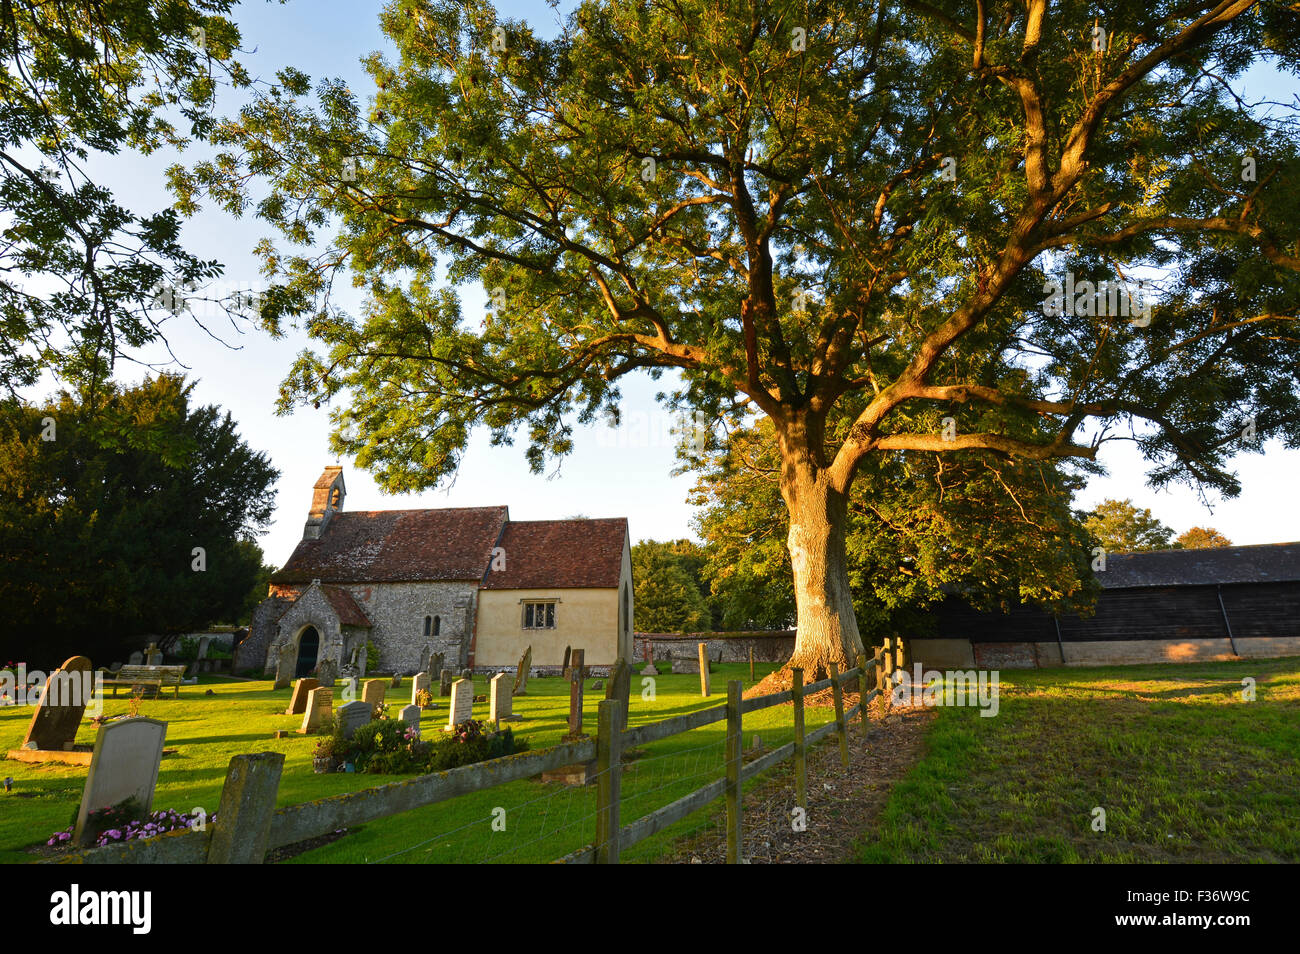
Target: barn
1157 606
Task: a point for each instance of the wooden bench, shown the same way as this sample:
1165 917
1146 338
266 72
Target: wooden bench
159 677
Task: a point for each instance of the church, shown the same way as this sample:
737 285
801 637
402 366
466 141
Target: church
468 583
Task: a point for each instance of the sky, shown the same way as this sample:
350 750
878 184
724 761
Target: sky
611 473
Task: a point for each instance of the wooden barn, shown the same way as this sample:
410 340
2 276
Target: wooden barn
1158 606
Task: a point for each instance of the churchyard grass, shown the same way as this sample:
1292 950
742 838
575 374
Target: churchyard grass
1186 770
242 716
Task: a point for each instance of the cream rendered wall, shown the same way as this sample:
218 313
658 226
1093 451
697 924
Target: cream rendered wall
585 619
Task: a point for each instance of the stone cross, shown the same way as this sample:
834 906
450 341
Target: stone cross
462 703
286 663
521 673
124 765
411 716
153 655
319 701
499 699
419 684
444 682
373 692
63 702
298 701
353 715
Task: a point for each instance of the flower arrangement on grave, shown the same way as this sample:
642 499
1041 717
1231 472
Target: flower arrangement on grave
391 747
424 699
127 821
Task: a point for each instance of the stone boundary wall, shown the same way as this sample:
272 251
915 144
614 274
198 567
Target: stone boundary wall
770 646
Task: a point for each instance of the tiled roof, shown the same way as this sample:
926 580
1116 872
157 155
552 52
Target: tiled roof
346 608
395 545
1266 563
560 554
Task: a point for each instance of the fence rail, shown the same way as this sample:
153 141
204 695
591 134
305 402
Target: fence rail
248 825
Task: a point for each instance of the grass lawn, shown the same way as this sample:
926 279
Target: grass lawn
1186 770
543 822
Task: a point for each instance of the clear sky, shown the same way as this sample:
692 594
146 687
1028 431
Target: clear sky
623 473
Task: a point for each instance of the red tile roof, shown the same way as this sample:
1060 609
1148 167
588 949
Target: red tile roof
560 554
398 545
345 607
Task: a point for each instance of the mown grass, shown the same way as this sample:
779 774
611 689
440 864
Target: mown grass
1185 769
543 822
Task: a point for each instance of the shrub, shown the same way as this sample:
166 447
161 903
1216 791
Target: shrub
372 656
391 747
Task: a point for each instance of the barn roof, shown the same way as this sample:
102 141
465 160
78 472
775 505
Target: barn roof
560 554
1265 563
398 545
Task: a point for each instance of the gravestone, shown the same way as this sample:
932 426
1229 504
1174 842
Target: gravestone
578 663
319 702
124 765
411 716
135 659
424 657
286 663
419 684
372 693
704 669
298 701
688 667
567 653
444 682
499 699
521 673
575 706
327 670
153 655
462 703
650 670
620 689
435 665
63 702
353 715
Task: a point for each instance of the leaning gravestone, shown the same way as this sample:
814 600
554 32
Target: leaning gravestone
444 682
124 765
419 684
521 673
462 703
286 662
298 701
411 716
568 653
319 703
354 715
63 702
373 692
499 699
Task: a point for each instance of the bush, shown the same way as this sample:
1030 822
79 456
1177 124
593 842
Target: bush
372 656
391 747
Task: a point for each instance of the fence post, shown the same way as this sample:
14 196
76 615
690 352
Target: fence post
837 691
800 758
887 668
862 695
900 653
751 663
704 669
735 805
609 778
243 822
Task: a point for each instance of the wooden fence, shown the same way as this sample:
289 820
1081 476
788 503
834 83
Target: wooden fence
247 824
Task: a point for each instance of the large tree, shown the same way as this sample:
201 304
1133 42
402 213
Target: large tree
83 279
1121 526
130 519
668 598
846 216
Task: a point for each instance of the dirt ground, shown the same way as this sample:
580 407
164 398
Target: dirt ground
843 805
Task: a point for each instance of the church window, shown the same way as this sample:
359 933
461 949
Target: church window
539 616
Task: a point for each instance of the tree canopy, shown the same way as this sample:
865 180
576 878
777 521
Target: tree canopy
1201 538
1122 527
668 597
101 515
892 226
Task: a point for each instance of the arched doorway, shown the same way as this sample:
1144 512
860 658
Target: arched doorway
308 650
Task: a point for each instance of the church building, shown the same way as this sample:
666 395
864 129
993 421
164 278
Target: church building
469 583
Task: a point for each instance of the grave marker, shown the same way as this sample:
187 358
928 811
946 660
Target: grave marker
411 716
124 765
500 698
372 693
444 682
286 662
63 702
353 715
567 653
153 655
135 659
462 703
575 707
578 663
419 684
319 702
704 669
327 670
298 701
620 688
521 673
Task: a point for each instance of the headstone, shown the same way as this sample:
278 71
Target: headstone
135 659
435 664
424 657
462 702
575 706
411 716
704 669
567 653
521 673
578 663
286 663
373 692
500 699
598 685
124 765
353 715
204 642
319 702
327 670
153 655
63 702
650 670
620 688
682 667
444 682
397 681
419 684
298 701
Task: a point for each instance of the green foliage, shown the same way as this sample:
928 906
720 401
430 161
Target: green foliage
668 598
1121 527
98 525
372 656
390 747
1201 538
80 81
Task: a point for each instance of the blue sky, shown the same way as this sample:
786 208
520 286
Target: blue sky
609 474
